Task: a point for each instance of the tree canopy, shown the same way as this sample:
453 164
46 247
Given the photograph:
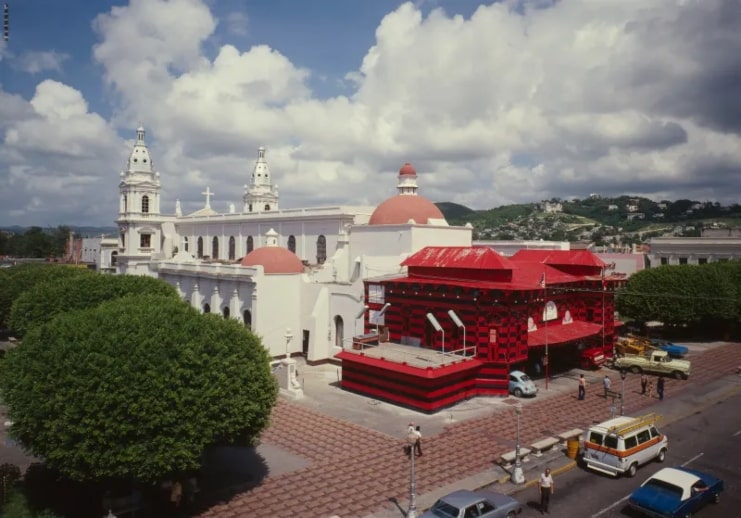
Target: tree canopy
135 388
44 301
17 279
684 294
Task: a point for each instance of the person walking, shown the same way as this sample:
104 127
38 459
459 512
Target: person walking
660 388
546 487
644 383
607 383
418 442
650 388
582 387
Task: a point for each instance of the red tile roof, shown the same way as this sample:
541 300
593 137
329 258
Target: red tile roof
464 257
559 257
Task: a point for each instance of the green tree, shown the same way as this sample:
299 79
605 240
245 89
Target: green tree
684 294
136 388
17 279
46 300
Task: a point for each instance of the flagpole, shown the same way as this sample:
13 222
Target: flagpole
545 323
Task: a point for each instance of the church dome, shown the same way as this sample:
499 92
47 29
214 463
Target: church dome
273 258
402 208
407 170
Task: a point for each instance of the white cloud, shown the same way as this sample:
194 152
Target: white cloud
236 23
521 101
35 62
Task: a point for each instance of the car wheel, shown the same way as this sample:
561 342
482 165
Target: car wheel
678 375
716 498
632 470
635 369
511 514
661 457
518 392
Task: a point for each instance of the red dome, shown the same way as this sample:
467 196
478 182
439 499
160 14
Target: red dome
400 209
274 259
407 170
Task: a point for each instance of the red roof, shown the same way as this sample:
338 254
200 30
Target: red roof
559 257
458 257
561 333
404 207
407 170
274 260
530 274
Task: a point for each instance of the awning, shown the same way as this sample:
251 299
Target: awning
618 323
561 333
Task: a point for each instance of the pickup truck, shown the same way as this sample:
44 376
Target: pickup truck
656 362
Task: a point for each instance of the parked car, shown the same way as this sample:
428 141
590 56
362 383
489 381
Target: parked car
484 504
675 493
520 384
592 358
674 350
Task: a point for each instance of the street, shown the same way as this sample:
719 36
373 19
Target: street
707 441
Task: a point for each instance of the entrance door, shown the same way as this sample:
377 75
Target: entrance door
305 344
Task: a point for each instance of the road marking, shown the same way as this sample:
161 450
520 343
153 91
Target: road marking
603 511
736 434
693 459
615 504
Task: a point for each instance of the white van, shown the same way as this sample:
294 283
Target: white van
621 444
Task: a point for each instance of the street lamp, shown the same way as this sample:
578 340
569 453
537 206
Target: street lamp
360 314
437 327
288 336
378 318
412 511
623 374
518 477
457 322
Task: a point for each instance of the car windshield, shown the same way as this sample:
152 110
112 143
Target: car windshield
444 510
524 377
664 486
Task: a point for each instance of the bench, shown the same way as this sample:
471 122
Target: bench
508 458
571 434
614 394
542 445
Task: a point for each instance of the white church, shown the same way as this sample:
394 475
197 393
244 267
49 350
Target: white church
294 276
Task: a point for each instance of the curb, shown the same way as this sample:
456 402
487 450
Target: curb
554 473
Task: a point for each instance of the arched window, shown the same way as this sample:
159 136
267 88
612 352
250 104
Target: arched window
185 244
232 248
292 244
114 258
200 248
339 331
250 244
126 203
225 312
206 308
247 317
321 249
145 204
215 248
267 206
249 207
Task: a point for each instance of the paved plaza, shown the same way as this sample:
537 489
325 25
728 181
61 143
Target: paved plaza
335 453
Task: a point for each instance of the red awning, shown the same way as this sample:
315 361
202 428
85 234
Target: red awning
562 333
618 323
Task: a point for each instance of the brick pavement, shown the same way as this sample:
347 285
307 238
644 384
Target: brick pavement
354 471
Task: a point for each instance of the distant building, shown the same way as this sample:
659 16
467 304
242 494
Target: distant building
631 207
612 207
709 248
551 207
636 215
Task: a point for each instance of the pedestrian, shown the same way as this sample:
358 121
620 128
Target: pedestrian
660 388
176 494
418 442
411 440
650 388
644 383
546 488
606 382
582 386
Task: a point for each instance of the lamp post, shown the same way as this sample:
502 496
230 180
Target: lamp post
518 477
623 374
437 327
288 336
380 313
412 510
457 322
361 314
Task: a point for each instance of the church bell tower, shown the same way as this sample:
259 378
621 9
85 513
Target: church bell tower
260 195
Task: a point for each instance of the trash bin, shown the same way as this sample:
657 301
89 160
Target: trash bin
572 448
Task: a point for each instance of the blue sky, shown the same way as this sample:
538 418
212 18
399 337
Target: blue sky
495 103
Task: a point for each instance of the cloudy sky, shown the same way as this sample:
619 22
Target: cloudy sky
494 103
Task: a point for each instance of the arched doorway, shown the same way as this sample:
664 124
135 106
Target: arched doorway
321 249
247 318
232 248
225 312
339 331
200 248
206 308
114 258
292 243
250 244
215 248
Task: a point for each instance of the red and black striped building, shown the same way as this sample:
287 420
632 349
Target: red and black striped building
511 310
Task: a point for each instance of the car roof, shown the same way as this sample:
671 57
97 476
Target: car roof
676 476
516 373
461 498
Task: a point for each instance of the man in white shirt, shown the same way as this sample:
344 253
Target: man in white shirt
546 487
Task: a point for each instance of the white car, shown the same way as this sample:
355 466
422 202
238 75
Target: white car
520 384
